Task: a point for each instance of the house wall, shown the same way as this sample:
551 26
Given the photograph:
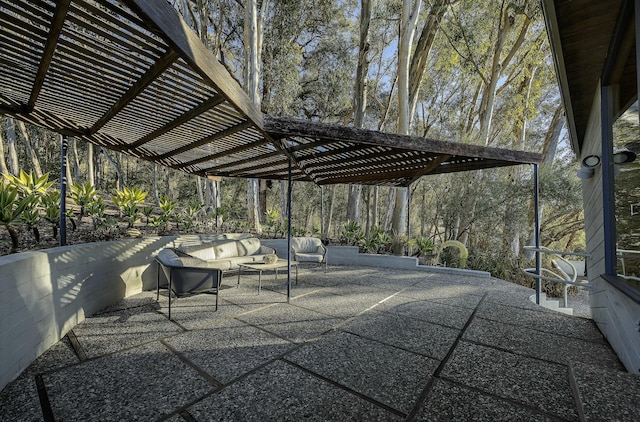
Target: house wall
617 316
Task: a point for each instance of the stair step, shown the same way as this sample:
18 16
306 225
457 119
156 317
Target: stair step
552 304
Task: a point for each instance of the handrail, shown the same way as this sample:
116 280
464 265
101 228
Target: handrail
566 280
622 254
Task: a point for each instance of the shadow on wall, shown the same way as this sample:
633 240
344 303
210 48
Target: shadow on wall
45 294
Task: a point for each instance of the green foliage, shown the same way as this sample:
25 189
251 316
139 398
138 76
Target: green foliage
96 209
147 211
12 206
464 253
82 194
424 245
352 233
378 241
29 184
129 200
51 203
31 218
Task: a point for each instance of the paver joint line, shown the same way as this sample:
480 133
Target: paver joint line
436 374
76 346
576 394
184 359
345 388
47 412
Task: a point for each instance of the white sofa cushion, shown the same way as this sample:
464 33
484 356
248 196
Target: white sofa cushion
204 251
306 245
226 249
248 246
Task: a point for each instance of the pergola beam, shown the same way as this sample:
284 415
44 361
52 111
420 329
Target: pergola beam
332 133
49 49
175 31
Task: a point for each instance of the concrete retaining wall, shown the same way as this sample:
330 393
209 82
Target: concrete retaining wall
44 294
348 255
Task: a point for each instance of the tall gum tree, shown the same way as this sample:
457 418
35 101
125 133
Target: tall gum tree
360 100
408 24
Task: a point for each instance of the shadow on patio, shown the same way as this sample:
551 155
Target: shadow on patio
355 343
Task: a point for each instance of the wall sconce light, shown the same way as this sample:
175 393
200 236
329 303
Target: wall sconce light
623 156
589 163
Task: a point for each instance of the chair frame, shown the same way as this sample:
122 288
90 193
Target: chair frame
173 271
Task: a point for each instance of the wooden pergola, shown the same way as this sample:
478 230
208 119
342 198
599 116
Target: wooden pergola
131 76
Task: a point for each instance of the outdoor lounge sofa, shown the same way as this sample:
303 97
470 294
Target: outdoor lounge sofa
185 276
309 249
227 254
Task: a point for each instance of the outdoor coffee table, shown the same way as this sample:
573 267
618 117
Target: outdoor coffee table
261 266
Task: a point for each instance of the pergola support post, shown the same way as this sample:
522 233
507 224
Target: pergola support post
289 235
63 191
321 212
536 210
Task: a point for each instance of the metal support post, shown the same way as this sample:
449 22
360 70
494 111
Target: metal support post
536 211
289 236
63 191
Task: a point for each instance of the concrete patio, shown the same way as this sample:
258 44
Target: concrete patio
356 343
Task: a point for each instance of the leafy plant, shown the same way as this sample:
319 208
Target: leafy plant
128 201
51 203
352 233
464 253
147 211
29 184
82 194
31 218
424 245
96 210
378 241
12 205
69 214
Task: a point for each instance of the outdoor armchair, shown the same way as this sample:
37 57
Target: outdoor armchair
184 276
309 249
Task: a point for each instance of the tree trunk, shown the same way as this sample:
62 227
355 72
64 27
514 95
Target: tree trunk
3 163
360 100
283 199
408 24
31 153
156 196
76 159
388 215
118 170
199 192
376 197
14 165
327 227
262 196
423 49
252 42
91 174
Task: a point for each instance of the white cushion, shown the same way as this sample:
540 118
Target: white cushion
227 249
308 257
248 246
204 251
305 244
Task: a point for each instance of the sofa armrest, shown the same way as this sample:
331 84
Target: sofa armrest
265 250
322 250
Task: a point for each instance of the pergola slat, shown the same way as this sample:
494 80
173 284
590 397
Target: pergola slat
129 75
